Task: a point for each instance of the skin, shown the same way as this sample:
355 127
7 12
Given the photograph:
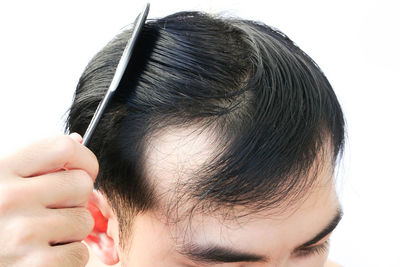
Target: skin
28 209
275 236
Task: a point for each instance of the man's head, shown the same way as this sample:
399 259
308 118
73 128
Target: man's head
222 134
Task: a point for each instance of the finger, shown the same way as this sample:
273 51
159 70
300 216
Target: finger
52 154
77 137
61 189
74 254
67 225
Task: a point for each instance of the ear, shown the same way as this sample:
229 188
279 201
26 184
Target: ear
103 239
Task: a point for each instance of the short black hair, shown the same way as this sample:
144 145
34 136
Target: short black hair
269 103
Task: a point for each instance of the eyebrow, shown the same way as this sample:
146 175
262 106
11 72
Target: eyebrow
326 231
220 254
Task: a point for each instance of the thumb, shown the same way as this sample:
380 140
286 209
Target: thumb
76 137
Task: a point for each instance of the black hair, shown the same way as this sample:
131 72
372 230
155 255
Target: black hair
269 104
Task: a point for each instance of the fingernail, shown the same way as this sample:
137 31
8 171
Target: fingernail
77 137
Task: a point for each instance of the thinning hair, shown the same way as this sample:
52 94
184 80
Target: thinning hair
268 104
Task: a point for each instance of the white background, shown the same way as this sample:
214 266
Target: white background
45 46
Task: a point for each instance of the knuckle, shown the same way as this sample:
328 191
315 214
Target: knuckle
58 182
79 254
64 178
22 232
79 184
64 145
73 254
77 179
6 200
84 180
96 166
90 223
84 220
10 194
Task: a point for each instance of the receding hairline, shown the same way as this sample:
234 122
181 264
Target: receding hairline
173 185
171 85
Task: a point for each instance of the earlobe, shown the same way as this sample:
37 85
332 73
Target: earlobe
100 240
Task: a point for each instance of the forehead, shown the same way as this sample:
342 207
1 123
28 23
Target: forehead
264 233
174 154
261 234
171 158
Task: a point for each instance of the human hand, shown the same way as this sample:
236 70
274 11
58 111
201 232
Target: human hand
44 191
